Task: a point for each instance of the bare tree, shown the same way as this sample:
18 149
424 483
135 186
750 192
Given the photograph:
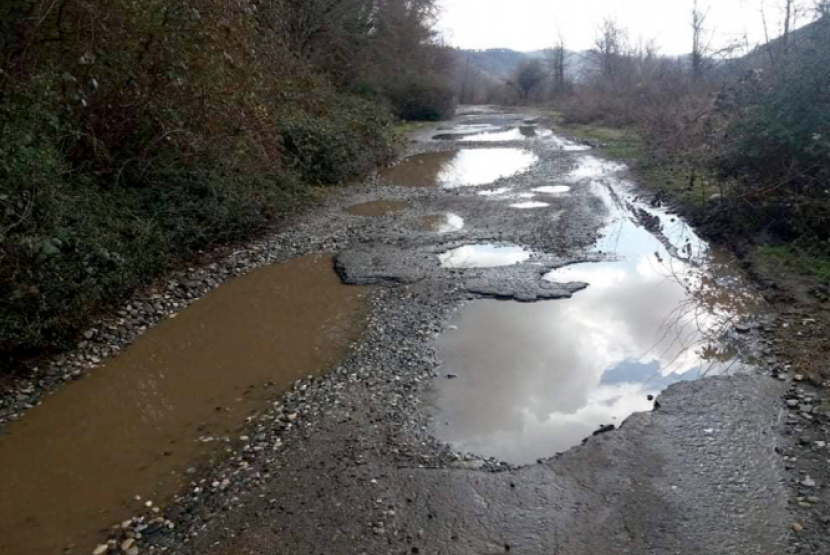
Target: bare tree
608 47
700 43
559 65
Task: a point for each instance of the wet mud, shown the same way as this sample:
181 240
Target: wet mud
378 208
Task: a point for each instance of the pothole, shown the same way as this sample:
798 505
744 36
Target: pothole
422 170
460 168
378 208
441 223
553 189
529 205
487 255
473 167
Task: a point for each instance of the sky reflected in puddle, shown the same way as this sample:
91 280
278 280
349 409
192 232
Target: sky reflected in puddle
484 256
442 223
553 189
536 379
459 168
529 205
472 167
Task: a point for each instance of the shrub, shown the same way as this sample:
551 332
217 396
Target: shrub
346 140
422 99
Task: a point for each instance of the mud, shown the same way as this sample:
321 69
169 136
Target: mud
378 208
177 396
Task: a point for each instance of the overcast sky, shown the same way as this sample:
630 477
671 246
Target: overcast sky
532 24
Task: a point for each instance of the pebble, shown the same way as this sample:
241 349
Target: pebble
101 549
127 544
796 527
808 482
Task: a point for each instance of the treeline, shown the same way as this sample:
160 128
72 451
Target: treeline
135 133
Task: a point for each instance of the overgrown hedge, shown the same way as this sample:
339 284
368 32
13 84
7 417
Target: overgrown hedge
133 134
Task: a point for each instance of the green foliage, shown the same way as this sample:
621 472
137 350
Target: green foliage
788 258
136 133
781 127
346 141
71 242
422 99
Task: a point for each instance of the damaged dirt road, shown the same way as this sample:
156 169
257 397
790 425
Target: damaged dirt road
525 311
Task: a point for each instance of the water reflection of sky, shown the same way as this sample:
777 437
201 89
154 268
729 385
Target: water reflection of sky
471 167
536 379
484 256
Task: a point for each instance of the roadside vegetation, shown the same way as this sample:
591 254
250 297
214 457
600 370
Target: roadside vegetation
133 134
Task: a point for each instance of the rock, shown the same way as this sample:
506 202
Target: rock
799 377
127 544
452 376
796 527
650 397
132 551
792 403
808 482
605 429
742 328
101 549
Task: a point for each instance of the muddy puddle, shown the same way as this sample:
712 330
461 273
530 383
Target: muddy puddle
421 170
484 256
460 168
441 223
536 379
73 466
378 208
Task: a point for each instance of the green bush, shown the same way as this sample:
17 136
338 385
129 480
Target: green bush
781 127
422 100
345 141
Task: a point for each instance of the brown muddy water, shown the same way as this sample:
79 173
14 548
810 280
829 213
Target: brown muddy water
536 379
378 208
73 466
460 168
421 170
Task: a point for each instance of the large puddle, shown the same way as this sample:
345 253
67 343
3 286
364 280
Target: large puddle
133 427
460 168
536 379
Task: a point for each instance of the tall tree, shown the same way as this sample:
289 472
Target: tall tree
608 47
700 45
